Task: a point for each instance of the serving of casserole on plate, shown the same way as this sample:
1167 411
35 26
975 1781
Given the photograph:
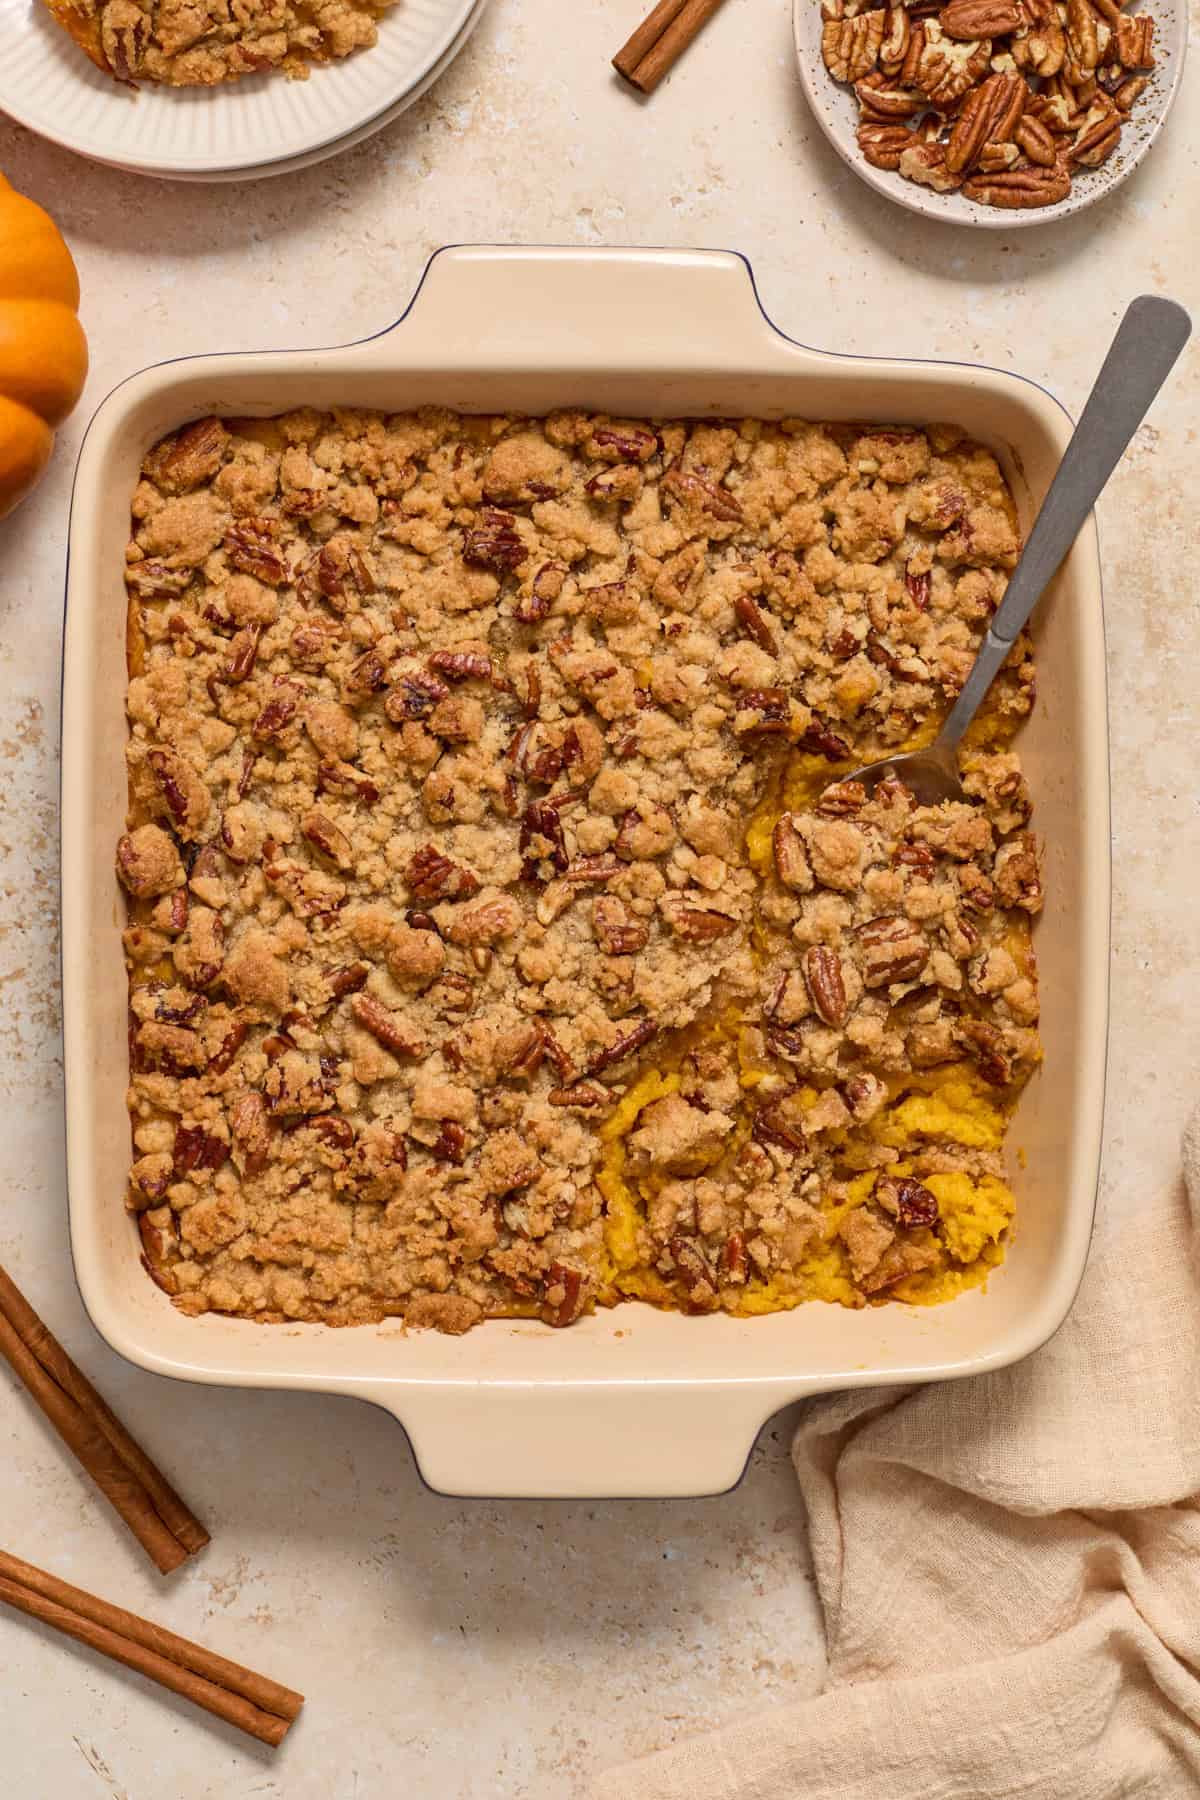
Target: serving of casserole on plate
499 949
498 946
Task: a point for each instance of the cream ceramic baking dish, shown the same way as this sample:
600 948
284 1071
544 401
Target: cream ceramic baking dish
633 1401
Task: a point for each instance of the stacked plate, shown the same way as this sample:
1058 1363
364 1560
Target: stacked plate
263 125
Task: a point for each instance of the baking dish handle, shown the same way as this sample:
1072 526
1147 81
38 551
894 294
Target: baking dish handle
613 1440
485 305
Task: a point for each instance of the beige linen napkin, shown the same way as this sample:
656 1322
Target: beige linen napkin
1009 1568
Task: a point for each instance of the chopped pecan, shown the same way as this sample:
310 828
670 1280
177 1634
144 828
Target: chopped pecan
733 1259
692 489
592 871
701 926
156 580
195 1148
823 978
546 588
821 741
769 710
320 831
623 443
250 1123
367 674
272 720
494 543
985 1044
770 1128
432 876
583 1095
336 573
342 778
865 1095
349 979
451 1143
252 545
229 1046
791 858
563 1295
622 484
626 1045
332 1129
614 932
1042 50
414 696
394 1033
694 1273
466 665
906 1200
752 621
540 821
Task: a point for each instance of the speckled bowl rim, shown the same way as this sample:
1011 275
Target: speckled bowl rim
836 112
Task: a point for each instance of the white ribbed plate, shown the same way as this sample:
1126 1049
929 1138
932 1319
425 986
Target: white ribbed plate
50 86
290 164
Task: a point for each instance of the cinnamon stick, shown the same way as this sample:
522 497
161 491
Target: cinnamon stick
162 1523
661 40
257 1705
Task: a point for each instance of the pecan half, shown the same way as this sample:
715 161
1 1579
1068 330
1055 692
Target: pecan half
180 463
1135 41
882 146
622 443
1083 37
821 741
980 18
1098 136
1036 141
988 115
893 949
897 34
950 67
884 99
394 1033
841 800
585 1095
1019 189
252 545
250 1124
850 47
349 979
822 971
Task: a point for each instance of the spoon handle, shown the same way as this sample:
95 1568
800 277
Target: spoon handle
1148 341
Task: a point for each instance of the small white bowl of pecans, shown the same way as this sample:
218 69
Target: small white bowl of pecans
991 112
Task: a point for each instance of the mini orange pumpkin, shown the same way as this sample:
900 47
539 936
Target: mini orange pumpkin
43 352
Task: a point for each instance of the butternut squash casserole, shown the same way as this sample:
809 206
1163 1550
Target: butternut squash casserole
497 944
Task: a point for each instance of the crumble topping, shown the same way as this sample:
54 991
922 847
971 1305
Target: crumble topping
496 945
202 43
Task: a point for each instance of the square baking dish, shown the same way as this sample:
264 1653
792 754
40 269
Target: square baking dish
632 1401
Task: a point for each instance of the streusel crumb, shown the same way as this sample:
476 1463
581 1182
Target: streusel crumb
202 43
496 944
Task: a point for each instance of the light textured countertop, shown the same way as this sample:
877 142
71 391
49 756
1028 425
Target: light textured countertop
468 1649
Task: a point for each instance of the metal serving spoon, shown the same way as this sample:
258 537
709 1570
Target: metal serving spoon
1148 341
